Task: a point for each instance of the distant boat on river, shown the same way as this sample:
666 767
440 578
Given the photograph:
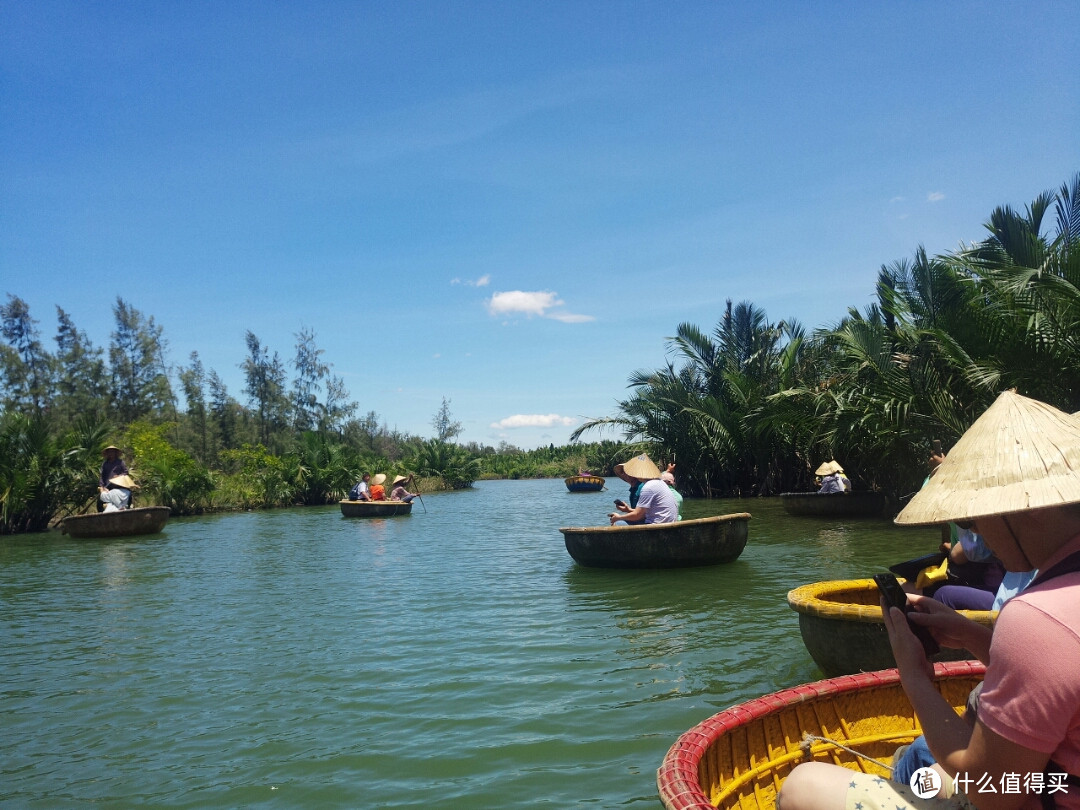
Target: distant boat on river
121 523
584 483
375 508
834 504
844 632
685 543
739 757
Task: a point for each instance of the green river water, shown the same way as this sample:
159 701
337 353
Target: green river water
454 658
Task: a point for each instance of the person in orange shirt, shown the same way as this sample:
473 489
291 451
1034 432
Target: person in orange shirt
378 491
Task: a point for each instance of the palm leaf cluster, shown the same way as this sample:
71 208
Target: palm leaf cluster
754 406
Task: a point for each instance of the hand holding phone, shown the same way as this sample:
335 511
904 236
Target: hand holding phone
896 597
620 503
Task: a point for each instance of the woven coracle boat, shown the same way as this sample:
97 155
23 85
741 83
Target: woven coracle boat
705 541
842 628
835 504
740 757
375 508
122 523
584 483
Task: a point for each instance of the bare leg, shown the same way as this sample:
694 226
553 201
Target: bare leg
815 786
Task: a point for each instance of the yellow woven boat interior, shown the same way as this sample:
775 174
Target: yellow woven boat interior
745 767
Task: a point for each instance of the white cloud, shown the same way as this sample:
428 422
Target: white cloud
519 420
935 196
532 303
483 281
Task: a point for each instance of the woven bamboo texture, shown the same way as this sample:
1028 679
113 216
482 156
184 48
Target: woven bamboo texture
704 541
122 523
584 483
838 504
842 628
740 757
375 508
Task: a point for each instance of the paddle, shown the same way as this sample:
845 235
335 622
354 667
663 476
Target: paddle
419 498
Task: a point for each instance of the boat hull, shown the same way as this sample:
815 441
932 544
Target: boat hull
705 541
584 483
838 504
739 757
375 508
842 628
123 523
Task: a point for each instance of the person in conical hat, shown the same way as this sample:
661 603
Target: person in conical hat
117 493
399 492
1014 478
377 490
651 500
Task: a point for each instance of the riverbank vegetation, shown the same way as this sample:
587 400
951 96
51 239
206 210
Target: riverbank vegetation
749 408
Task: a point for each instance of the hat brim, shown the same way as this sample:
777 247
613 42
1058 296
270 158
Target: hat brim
1020 455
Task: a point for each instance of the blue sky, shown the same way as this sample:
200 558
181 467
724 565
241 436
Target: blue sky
507 204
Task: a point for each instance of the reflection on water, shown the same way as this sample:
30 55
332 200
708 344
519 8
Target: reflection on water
457 658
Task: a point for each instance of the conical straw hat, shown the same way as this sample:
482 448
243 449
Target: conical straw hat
639 467
124 481
1020 454
828 468
378 479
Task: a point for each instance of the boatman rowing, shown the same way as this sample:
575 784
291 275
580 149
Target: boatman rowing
655 502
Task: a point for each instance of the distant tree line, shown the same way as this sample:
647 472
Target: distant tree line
750 408
288 442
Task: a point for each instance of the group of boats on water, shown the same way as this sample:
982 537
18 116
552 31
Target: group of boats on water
857 717
739 757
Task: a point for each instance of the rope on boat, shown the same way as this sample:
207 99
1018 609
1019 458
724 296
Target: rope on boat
809 739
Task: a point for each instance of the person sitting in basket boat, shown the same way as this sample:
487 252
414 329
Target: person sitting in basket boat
1015 475
117 493
378 491
832 478
111 466
399 493
360 491
655 502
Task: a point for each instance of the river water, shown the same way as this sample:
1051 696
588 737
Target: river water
454 658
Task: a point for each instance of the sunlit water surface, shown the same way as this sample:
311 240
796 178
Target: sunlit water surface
454 658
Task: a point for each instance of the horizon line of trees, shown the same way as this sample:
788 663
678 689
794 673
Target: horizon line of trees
750 408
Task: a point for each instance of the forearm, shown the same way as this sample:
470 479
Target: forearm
947 733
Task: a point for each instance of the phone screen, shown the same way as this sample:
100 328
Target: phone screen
895 596
894 593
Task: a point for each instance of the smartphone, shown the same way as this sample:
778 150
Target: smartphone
896 597
936 444
620 502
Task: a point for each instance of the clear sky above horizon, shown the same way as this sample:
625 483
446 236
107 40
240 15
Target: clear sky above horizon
509 205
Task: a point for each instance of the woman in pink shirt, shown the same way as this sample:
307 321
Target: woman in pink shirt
1015 477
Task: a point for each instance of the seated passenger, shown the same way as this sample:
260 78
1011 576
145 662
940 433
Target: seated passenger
1026 506
117 493
378 491
832 478
655 502
399 493
360 491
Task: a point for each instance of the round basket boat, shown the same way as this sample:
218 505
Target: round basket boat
834 504
740 757
704 541
584 483
842 628
375 508
122 523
